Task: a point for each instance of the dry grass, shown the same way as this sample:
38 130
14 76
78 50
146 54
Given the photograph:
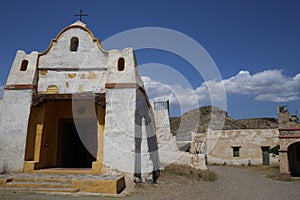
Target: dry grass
189 172
271 171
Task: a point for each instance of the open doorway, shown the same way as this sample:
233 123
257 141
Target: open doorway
72 150
294 158
64 135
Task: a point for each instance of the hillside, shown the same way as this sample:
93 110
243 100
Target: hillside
199 120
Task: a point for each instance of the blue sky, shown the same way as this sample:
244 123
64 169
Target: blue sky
254 44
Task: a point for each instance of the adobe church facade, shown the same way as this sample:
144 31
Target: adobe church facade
77 106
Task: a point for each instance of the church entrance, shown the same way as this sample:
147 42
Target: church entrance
64 133
72 151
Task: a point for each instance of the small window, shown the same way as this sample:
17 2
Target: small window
121 64
236 151
24 65
74 43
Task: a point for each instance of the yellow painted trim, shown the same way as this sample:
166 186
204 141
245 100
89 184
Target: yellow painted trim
105 186
64 171
34 158
29 166
101 119
38 142
101 186
98 165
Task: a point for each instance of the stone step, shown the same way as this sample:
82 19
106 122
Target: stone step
106 184
38 184
29 189
39 179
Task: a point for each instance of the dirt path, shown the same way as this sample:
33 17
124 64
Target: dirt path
237 183
232 184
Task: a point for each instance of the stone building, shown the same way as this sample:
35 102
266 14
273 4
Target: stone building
289 137
77 105
225 140
241 147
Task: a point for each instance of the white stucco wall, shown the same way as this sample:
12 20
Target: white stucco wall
119 130
18 77
73 71
89 69
14 113
168 151
14 116
88 55
129 119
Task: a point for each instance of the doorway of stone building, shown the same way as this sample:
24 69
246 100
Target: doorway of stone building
75 143
294 159
265 155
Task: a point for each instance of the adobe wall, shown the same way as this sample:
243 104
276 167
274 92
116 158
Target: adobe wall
220 143
289 128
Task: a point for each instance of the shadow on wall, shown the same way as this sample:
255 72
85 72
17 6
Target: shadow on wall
144 122
1 91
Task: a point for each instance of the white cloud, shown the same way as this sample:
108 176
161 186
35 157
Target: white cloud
183 98
268 85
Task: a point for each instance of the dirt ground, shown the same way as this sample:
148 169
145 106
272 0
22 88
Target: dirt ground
233 183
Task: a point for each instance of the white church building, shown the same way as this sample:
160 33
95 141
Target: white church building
77 106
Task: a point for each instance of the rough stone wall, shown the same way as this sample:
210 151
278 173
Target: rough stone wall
289 128
198 121
259 123
288 137
285 120
220 143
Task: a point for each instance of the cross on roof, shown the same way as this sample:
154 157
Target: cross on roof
80 15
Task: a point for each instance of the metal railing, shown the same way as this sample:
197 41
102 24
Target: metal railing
162 105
